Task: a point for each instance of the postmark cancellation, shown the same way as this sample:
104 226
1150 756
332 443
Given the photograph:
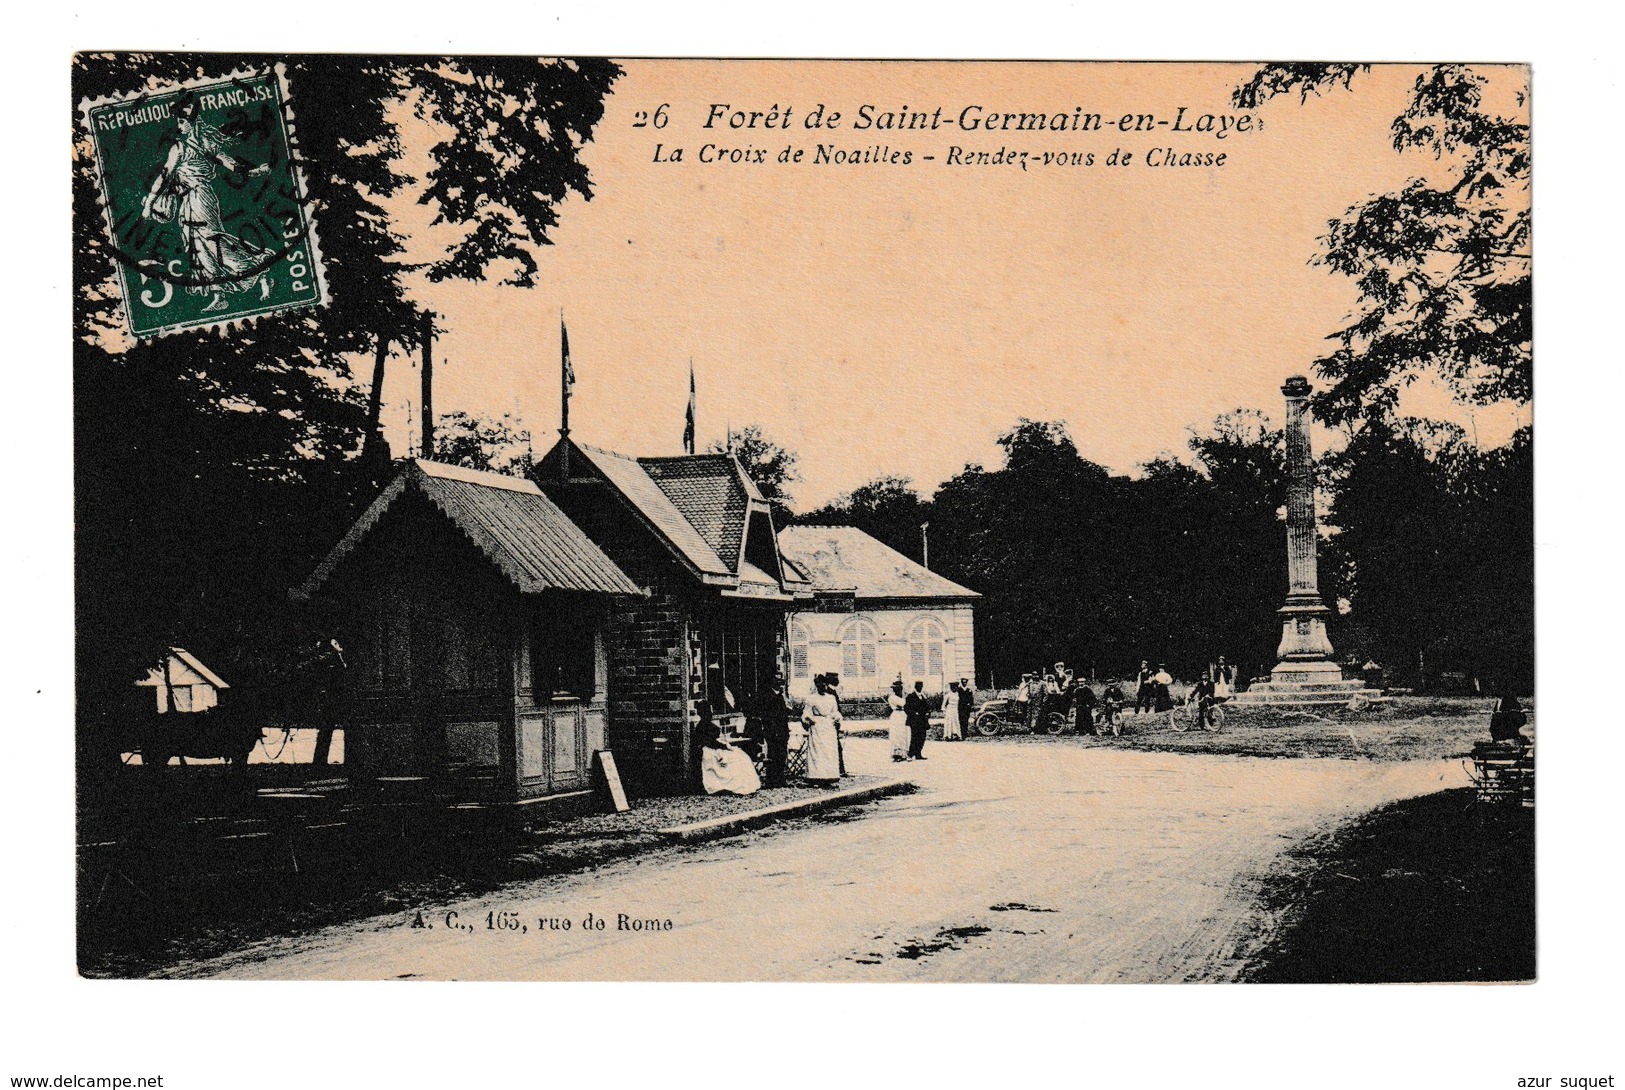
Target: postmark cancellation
205 212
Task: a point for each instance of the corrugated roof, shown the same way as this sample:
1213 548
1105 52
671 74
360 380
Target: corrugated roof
846 558
632 479
509 519
711 493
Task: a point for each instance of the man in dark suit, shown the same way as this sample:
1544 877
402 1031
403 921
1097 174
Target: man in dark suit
1083 705
1145 690
770 721
967 704
917 714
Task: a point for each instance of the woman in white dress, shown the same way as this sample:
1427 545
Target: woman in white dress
725 769
821 715
897 725
950 713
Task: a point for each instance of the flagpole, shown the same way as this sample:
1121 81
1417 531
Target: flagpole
564 401
690 426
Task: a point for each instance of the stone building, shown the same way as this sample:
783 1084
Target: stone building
698 534
874 615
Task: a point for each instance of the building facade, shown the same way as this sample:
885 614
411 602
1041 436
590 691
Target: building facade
711 632
473 614
874 615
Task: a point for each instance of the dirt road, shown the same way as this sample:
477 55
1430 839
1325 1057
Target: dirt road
1060 862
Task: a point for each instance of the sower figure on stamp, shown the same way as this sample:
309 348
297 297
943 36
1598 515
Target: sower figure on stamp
184 190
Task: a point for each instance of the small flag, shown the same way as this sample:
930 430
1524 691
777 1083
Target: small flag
688 428
564 341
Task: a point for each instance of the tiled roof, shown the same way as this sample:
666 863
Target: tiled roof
846 558
508 518
710 491
632 479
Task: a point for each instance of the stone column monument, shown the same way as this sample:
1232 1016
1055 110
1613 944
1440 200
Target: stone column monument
1305 652
1305 673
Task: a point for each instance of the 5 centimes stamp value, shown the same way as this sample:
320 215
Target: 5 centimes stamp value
205 212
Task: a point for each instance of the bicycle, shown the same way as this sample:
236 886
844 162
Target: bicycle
1189 715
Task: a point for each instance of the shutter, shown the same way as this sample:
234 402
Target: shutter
870 666
849 656
916 660
798 658
936 658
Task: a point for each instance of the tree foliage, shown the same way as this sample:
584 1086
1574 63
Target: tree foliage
481 442
887 508
1443 264
1435 546
212 469
1430 549
1177 565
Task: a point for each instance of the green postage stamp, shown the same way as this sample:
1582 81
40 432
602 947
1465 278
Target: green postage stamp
206 215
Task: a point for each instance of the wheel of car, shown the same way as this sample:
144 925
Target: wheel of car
1054 723
987 724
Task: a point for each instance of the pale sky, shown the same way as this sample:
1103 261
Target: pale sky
896 319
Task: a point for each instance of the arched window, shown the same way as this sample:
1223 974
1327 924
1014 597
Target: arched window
860 656
800 648
925 650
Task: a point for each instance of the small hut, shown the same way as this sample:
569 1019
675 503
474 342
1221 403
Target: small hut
472 611
182 683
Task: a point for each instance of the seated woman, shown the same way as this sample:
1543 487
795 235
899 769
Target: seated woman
724 768
1507 721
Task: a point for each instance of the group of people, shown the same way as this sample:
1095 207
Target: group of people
728 764
910 720
1059 691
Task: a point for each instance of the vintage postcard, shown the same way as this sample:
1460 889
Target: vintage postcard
831 521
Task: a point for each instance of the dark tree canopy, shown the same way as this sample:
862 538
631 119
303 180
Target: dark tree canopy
1435 547
887 508
1101 571
485 176
212 469
1442 265
1429 549
480 442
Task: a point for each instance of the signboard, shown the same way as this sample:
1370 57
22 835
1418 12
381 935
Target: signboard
612 780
